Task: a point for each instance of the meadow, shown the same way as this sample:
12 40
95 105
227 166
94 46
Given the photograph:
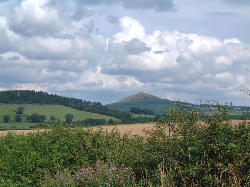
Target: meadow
213 154
58 111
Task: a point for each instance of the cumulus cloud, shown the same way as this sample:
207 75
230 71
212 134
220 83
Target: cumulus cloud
194 62
30 18
54 47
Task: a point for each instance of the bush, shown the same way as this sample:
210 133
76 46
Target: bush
90 121
6 118
18 118
20 110
69 118
99 174
36 118
52 118
215 153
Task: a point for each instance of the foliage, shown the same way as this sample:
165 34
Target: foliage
18 118
94 121
137 110
69 118
36 118
20 110
52 118
99 174
215 153
6 118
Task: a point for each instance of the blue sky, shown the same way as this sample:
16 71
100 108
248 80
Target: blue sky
103 50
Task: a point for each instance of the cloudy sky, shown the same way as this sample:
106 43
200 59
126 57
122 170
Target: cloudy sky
103 50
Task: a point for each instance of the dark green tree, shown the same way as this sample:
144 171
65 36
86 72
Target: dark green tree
20 110
69 118
36 118
18 118
111 121
6 118
52 118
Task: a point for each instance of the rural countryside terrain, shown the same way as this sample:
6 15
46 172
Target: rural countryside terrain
64 141
124 93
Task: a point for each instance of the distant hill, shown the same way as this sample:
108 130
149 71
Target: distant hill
145 101
139 96
158 105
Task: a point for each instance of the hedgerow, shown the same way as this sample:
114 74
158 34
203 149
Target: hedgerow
213 154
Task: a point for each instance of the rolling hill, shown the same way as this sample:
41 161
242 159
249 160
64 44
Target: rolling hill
158 105
145 101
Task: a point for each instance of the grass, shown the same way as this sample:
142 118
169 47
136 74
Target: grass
56 110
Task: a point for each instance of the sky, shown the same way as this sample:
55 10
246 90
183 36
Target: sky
104 50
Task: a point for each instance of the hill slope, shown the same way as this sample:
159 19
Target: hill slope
139 96
34 97
145 101
158 105
56 110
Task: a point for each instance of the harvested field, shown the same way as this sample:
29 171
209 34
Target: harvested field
20 132
133 129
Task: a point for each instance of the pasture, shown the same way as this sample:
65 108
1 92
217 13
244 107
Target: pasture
58 111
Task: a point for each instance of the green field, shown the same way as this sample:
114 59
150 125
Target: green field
56 110
142 115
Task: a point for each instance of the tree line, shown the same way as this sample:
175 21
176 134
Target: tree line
137 110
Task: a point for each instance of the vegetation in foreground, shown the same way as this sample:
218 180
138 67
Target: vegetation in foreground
216 154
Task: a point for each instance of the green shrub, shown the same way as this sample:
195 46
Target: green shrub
6 118
214 154
20 110
69 118
18 118
99 174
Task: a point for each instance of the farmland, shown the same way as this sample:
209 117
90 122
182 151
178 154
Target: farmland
133 129
56 110
181 149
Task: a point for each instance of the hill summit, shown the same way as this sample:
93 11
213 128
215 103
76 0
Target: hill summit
138 96
143 101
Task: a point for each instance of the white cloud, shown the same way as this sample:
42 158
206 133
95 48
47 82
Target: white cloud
224 76
131 29
46 48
